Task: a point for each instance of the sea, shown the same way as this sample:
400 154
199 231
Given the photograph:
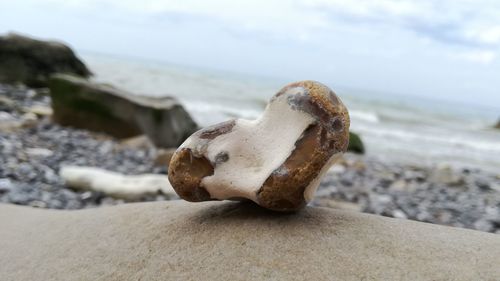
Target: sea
397 128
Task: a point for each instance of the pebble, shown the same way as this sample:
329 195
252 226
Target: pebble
39 152
5 185
399 214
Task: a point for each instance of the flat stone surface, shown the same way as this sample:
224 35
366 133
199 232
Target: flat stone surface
235 241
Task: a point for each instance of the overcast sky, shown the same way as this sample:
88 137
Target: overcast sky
443 49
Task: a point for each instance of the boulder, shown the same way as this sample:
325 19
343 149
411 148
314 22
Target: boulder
235 241
82 104
30 61
355 144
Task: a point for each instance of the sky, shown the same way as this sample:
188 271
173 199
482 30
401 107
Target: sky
446 50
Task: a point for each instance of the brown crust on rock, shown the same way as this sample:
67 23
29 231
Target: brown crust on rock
185 174
284 189
321 103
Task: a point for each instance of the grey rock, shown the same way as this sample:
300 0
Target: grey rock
483 225
6 104
6 185
9 124
39 152
399 214
79 103
30 61
444 174
37 204
399 185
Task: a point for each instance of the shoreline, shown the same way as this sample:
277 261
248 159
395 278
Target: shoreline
32 154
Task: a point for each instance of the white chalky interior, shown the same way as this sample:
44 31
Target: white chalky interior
255 148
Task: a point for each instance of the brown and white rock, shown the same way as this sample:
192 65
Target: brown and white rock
276 160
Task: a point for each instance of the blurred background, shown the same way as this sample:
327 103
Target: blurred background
420 80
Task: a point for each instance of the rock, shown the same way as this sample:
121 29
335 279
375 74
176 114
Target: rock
5 116
79 103
399 214
8 123
235 241
164 156
37 204
358 165
444 174
399 185
29 120
355 144
39 152
30 61
276 161
483 225
39 110
114 184
497 126
495 186
337 169
139 142
6 185
6 104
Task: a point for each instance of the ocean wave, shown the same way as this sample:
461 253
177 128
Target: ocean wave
367 116
436 139
221 112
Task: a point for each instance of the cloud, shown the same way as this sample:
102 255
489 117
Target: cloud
449 21
454 22
486 35
467 24
482 57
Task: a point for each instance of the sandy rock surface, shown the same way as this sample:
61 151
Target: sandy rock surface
235 241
